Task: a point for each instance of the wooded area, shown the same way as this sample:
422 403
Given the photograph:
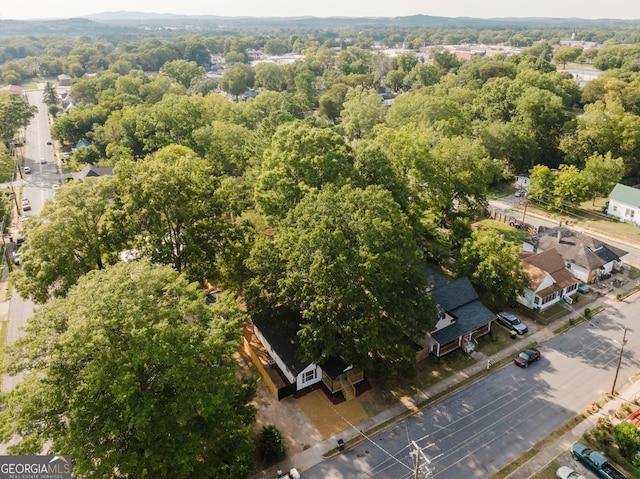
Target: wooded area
311 194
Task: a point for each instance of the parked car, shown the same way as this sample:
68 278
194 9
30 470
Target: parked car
565 472
583 288
19 242
48 142
16 257
511 322
27 169
520 193
526 357
26 206
43 160
596 462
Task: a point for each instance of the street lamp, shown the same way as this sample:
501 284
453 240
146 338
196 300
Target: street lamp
624 341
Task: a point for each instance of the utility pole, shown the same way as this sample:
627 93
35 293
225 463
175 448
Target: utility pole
624 341
422 463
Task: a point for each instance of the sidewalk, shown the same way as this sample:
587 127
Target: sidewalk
316 454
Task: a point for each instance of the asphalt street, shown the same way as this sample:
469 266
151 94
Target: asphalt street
482 428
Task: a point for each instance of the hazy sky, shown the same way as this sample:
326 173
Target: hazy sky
591 9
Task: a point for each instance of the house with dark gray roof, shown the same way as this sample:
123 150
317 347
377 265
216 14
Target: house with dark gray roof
586 257
277 330
92 171
461 318
624 204
549 280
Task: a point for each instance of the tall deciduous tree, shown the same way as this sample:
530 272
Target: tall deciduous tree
347 259
301 157
169 203
133 375
182 71
569 187
492 265
363 110
71 236
601 174
15 113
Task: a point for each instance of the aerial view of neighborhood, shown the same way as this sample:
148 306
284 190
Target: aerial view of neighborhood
319 248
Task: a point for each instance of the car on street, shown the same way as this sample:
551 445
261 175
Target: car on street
43 160
48 142
55 186
520 193
565 472
583 288
27 169
16 257
526 357
19 242
510 321
26 206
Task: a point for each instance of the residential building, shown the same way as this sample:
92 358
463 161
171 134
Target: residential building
587 258
549 280
624 204
461 317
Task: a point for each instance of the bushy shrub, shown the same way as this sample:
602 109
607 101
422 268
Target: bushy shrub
626 437
272 446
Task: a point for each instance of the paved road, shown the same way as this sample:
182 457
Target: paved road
479 430
37 187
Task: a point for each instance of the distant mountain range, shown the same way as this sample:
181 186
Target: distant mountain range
142 23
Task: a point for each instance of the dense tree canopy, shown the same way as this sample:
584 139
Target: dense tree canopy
133 375
347 259
171 212
72 236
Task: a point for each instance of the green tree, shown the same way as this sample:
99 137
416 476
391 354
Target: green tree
15 113
564 55
460 173
133 375
171 209
270 76
363 110
354 60
300 158
601 173
626 436
347 259
182 71
50 95
69 238
235 80
569 187
493 266
331 103
541 184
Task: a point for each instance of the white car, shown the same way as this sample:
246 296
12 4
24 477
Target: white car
565 472
27 169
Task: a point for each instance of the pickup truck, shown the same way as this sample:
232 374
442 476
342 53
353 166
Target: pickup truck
596 462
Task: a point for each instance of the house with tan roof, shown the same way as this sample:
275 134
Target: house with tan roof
587 258
549 280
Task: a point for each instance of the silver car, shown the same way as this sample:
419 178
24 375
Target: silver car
511 322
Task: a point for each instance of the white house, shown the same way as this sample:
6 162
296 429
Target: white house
624 204
522 181
549 280
586 257
277 331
